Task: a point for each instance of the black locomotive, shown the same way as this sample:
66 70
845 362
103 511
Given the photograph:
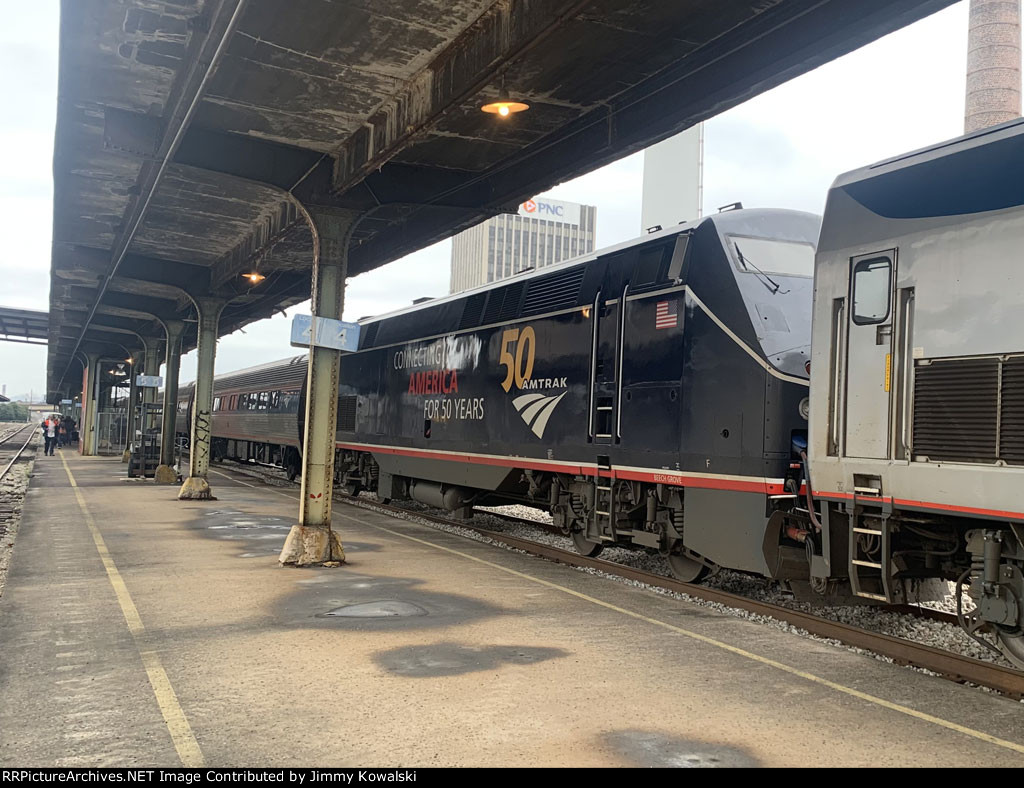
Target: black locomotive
654 393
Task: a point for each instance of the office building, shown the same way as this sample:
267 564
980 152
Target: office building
542 233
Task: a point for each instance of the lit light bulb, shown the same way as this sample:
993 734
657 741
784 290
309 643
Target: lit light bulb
503 110
255 277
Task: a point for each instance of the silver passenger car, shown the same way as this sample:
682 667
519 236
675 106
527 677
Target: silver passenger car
916 444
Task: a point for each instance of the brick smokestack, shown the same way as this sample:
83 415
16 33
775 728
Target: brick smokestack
993 64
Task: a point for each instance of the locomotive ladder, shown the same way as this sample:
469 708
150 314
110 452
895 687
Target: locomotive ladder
604 504
863 567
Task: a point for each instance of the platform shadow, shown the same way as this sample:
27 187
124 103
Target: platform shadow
654 749
455 659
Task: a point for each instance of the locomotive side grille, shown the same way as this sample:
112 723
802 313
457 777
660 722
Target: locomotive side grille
369 336
346 414
510 305
503 304
473 310
1011 423
970 410
549 293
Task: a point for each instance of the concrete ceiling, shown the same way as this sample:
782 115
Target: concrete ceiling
187 129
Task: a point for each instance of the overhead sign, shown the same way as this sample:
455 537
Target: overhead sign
551 210
66 401
149 381
333 334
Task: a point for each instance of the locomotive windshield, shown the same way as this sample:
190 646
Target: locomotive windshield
769 257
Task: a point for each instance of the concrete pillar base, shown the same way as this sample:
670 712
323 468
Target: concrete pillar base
126 456
165 474
195 488
309 545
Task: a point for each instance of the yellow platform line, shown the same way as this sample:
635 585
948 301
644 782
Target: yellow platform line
174 717
811 677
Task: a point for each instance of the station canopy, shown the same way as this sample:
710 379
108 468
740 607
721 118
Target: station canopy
187 129
24 325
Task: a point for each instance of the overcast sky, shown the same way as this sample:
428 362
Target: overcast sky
782 149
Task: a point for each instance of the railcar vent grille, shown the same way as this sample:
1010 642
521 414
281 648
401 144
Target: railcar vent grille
473 311
503 304
557 291
346 414
970 410
1011 423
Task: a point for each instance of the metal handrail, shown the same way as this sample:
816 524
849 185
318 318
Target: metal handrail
593 367
618 372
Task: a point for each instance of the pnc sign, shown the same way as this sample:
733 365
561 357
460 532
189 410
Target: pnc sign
551 210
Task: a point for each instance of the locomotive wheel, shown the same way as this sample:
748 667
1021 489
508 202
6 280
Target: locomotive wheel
1012 646
351 490
685 569
584 546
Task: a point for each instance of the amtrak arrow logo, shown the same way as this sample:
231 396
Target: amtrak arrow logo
536 409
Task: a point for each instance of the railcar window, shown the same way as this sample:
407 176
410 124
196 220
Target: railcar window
275 400
216 403
872 290
768 256
264 400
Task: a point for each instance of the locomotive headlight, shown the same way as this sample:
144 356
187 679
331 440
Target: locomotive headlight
805 408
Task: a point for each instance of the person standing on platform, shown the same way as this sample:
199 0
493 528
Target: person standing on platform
51 436
45 426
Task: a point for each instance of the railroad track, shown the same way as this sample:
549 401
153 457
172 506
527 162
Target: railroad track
12 448
952 666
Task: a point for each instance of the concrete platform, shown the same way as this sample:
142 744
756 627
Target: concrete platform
139 630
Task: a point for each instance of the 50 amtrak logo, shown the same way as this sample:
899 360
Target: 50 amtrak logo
518 354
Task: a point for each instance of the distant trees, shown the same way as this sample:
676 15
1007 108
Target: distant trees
13 411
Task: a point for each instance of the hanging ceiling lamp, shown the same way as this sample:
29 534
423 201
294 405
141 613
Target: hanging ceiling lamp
505 105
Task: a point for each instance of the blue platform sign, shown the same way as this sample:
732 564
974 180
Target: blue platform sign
334 334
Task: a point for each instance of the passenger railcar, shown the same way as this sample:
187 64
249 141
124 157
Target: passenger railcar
256 414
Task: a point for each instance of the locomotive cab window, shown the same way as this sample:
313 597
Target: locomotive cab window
872 290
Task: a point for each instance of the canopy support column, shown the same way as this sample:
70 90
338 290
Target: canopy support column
311 540
165 471
197 485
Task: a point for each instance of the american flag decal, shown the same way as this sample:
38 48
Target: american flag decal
665 315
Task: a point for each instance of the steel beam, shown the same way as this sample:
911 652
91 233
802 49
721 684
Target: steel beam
311 540
165 472
197 486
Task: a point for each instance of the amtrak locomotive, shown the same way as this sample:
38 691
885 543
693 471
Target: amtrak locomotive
612 390
658 393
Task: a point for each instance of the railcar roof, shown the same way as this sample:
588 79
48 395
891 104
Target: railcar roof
1010 131
238 373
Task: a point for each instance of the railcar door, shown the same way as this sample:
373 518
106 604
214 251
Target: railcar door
869 355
